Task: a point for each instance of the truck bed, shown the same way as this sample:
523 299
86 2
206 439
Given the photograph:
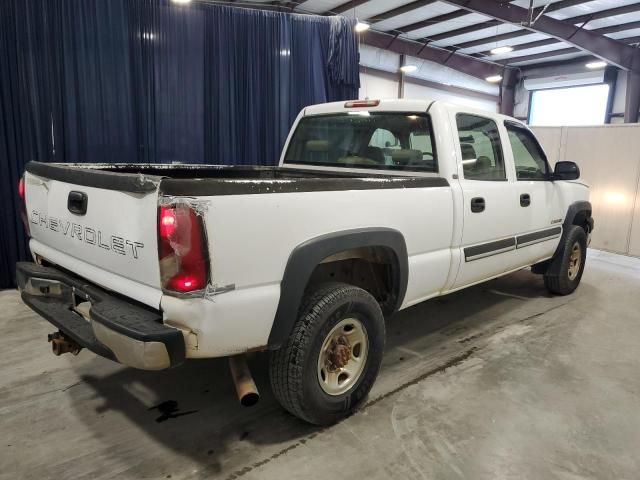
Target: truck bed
208 180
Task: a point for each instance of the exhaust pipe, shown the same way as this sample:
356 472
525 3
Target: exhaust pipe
61 344
245 386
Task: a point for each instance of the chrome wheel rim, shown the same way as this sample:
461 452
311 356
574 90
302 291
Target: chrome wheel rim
343 356
574 261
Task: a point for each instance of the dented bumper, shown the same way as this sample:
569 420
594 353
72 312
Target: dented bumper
115 328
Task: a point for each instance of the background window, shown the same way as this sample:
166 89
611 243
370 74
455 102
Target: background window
569 106
480 148
528 157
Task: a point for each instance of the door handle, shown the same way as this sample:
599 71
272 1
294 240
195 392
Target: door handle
477 204
525 200
77 202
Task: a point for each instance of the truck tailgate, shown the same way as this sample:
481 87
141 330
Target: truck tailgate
100 225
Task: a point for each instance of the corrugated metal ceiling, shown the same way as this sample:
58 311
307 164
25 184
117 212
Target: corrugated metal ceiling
415 24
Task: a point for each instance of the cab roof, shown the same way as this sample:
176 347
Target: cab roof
399 105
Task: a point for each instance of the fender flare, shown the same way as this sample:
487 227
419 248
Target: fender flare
578 209
578 213
306 256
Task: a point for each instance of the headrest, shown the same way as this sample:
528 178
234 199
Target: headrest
374 153
468 152
404 156
317 146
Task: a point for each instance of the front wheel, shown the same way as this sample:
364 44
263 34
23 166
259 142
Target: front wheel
568 266
328 364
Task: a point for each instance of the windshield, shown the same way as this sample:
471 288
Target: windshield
377 140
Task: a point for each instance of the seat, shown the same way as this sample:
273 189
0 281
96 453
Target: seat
482 166
405 156
469 159
468 152
317 146
374 153
317 150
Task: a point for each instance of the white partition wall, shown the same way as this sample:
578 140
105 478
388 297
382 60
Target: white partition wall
374 86
414 91
609 160
551 140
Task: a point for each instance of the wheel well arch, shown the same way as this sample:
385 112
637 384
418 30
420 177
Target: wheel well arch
344 254
579 213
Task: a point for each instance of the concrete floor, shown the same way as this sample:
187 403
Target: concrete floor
498 381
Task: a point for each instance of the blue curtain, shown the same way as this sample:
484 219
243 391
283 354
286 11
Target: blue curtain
153 82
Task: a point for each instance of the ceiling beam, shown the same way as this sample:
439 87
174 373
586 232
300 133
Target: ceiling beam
433 20
555 53
553 67
469 65
394 12
493 23
612 51
493 39
523 46
580 19
538 56
465 30
617 28
553 41
345 7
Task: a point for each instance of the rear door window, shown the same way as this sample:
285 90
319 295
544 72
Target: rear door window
480 147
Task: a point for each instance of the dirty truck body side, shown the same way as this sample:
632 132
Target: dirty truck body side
150 265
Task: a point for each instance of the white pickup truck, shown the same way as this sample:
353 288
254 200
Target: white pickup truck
374 207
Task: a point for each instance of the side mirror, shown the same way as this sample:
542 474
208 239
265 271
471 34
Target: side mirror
566 171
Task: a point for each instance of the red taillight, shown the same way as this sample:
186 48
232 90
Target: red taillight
21 188
182 283
362 103
182 249
22 194
167 222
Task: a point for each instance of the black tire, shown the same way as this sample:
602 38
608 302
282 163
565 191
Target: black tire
294 370
562 278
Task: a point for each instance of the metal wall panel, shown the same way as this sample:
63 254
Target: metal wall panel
634 236
609 160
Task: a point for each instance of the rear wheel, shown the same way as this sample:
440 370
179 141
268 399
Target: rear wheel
329 363
565 271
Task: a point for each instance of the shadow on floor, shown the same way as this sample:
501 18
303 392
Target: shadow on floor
193 410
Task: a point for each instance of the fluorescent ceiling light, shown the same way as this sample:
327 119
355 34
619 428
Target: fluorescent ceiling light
501 50
181 1
594 65
494 78
362 27
408 68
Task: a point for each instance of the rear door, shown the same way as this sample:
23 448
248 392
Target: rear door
489 211
107 235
